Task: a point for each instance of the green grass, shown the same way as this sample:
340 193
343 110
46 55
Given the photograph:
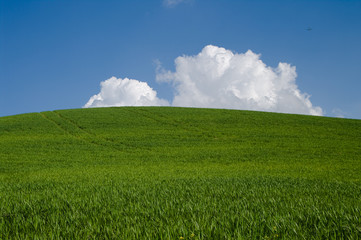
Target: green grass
166 173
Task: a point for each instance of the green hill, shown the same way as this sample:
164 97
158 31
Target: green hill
173 173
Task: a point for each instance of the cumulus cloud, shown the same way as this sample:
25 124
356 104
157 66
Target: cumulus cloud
215 78
219 78
125 92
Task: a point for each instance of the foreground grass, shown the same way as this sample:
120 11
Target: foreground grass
166 173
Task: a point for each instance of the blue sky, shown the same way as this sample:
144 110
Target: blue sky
54 53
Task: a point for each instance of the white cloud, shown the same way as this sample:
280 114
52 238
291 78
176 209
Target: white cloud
218 78
215 78
173 3
125 92
337 112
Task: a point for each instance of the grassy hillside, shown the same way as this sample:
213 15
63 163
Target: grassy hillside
173 173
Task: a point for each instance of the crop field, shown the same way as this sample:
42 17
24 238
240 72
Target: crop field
179 173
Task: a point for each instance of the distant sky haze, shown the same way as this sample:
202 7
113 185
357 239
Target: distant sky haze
283 56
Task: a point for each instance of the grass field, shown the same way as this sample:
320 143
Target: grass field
179 173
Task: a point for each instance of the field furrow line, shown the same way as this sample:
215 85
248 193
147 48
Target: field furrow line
78 133
71 122
100 139
54 122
